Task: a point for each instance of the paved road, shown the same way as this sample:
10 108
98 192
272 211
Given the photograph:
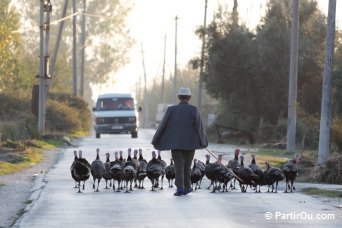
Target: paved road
56 203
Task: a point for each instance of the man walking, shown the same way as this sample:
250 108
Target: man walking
181 131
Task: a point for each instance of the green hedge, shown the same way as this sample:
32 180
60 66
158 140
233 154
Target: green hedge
64 114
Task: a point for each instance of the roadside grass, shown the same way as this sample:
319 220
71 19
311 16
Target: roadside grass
78 134
30 156
276 158
322 192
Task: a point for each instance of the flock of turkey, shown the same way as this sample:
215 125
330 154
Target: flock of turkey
120 174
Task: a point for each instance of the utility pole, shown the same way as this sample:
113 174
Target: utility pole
82 49
43 61
59 35
41 107
74 61
324 132
292 100
163 76
48 8
145 110
175 74
200 82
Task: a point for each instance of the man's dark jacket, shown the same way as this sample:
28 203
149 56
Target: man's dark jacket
181 128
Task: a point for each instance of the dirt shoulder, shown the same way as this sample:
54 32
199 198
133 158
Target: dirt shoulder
16 188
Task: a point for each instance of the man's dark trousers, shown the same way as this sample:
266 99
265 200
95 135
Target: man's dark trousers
182 162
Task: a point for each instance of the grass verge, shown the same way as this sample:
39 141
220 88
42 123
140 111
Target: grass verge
322 192
276 158
29 157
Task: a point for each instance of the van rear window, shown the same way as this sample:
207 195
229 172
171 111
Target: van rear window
117 103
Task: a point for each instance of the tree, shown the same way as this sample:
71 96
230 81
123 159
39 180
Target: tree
9 42
248 72
107 40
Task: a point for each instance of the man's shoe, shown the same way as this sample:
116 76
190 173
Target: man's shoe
179 192
187 191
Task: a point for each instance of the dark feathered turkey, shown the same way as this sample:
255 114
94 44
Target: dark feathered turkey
272 175
257 171
97 170
154 170
170 173
290 171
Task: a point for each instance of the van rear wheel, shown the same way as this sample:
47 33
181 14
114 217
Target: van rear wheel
134 134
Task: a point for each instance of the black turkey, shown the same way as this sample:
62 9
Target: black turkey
97 170
116 171
137 163
170 173
142 170
212 172
272 175
290 171
195 175
72 169
163 164
201 166
225 175
129 172
257 171
81 170
107 175
246 176
234 166
154 170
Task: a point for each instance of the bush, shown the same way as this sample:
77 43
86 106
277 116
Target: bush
78 104
61 117
17 121
336 134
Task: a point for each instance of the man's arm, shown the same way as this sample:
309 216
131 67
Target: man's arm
200 130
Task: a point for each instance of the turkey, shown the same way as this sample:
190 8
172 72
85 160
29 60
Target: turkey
170 173
163 164
201 166
129 172
290 171
234 166
72 169
137 163
154 170
141 174
116 171
97 170
246 176
257 171
196 175
81 170
272 175
121 158
224 176
212 172
107 175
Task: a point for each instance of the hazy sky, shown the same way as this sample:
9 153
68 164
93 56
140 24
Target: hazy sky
151 20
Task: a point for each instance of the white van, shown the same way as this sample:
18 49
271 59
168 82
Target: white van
116 113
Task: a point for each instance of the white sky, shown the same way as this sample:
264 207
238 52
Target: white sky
151 20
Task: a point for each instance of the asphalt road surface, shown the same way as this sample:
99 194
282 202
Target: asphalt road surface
57 204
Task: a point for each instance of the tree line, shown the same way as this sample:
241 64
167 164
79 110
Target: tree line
247 72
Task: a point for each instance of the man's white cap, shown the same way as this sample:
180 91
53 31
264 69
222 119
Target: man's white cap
184 91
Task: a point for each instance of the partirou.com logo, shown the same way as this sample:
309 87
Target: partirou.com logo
298 216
